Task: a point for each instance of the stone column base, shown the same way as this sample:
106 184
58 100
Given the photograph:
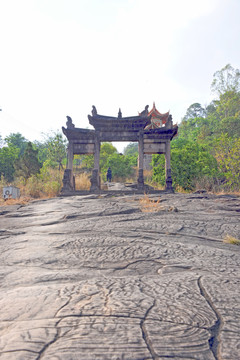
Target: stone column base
95 180
68 181
140 180
168 186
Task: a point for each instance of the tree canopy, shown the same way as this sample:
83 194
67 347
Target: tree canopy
8 156
18 141
131 149
56 147
195 111
28 164
226 79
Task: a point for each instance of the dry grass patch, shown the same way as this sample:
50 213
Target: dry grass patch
21 201
150 205
82 182
228 239
180 189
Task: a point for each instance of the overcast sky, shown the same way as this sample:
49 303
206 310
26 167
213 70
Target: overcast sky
60 57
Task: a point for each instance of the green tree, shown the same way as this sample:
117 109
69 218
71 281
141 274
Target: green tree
18 141
228 113
122 166
194 120
42 150
28 164
1 141
189 129
226 79
227 153
56 149
195 111
106 151
190 162
8 156
208 140
87 162
222 115
131 149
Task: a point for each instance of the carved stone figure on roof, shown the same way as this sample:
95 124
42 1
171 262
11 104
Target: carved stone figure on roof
119 114
69 123
145 111
169 123
94 110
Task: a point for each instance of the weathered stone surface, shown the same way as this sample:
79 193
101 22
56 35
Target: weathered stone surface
94 277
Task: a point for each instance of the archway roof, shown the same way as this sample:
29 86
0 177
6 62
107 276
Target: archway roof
155 114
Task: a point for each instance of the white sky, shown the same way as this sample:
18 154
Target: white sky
60 57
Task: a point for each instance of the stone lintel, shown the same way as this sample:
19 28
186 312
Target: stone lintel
85 136
118 136
83 148
154 148
84 141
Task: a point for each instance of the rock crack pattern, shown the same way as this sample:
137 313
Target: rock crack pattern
89 277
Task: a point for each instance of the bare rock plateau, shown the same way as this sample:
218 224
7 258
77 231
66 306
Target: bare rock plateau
96 277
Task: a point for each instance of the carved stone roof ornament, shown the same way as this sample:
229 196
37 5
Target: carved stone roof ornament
69 123
94 110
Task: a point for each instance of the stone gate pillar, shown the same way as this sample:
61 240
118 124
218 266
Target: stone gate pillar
168 175
140 161
95 179
70 155
68 178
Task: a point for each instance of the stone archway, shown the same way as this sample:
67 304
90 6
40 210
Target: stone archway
152 139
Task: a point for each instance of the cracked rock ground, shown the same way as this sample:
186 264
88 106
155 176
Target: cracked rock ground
91 277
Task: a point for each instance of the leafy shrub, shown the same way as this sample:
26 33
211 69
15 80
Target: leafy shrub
189 162
227 153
